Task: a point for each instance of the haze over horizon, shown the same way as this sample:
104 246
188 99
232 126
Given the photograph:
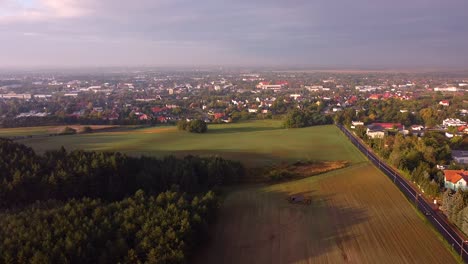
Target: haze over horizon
346 34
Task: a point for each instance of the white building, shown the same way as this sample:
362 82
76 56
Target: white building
314 88
453 122
356 123
446 89
268 86
15 96
295 96
460 156
375 133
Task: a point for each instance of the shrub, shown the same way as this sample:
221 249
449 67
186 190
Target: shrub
68 131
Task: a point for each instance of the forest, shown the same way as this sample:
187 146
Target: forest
96 207
139 229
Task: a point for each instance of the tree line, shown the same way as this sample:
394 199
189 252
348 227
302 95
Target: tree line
298 118
26 177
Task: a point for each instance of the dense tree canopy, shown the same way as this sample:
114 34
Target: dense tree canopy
303 118
138 229
26 177
194 126
91 207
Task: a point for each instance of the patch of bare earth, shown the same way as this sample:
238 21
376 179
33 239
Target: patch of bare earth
297 170
306 169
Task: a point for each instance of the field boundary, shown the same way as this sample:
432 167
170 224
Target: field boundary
457 240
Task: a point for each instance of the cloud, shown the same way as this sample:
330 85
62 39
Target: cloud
41 10
263 31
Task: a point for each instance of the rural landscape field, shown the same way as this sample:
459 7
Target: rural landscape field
256 143
356 215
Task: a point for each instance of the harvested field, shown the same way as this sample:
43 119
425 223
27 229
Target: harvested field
356 216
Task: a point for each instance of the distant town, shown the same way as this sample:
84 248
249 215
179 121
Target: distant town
149 97
279 128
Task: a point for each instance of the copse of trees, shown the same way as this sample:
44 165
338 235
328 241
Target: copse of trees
68 131
303 118
26 177
194 126
139 229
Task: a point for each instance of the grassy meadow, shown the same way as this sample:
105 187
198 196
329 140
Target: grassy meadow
255 143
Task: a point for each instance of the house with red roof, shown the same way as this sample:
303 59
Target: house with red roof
375 96
218 115
387 95
162 119
283 83
444 103
463 129
455 179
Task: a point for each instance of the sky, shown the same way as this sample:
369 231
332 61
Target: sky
315 33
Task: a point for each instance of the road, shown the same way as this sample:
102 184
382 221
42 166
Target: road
457 240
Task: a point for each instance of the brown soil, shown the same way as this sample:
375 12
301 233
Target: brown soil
356 216
313 168
299 170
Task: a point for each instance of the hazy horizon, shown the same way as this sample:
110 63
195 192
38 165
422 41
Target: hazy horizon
362 34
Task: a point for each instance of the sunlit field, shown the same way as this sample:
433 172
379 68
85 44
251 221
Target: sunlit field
255 143
356 215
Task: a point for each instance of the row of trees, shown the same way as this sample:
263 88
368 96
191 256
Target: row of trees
303 118
70 120
139 229
26 177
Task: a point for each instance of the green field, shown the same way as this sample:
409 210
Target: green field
255 143
357 215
